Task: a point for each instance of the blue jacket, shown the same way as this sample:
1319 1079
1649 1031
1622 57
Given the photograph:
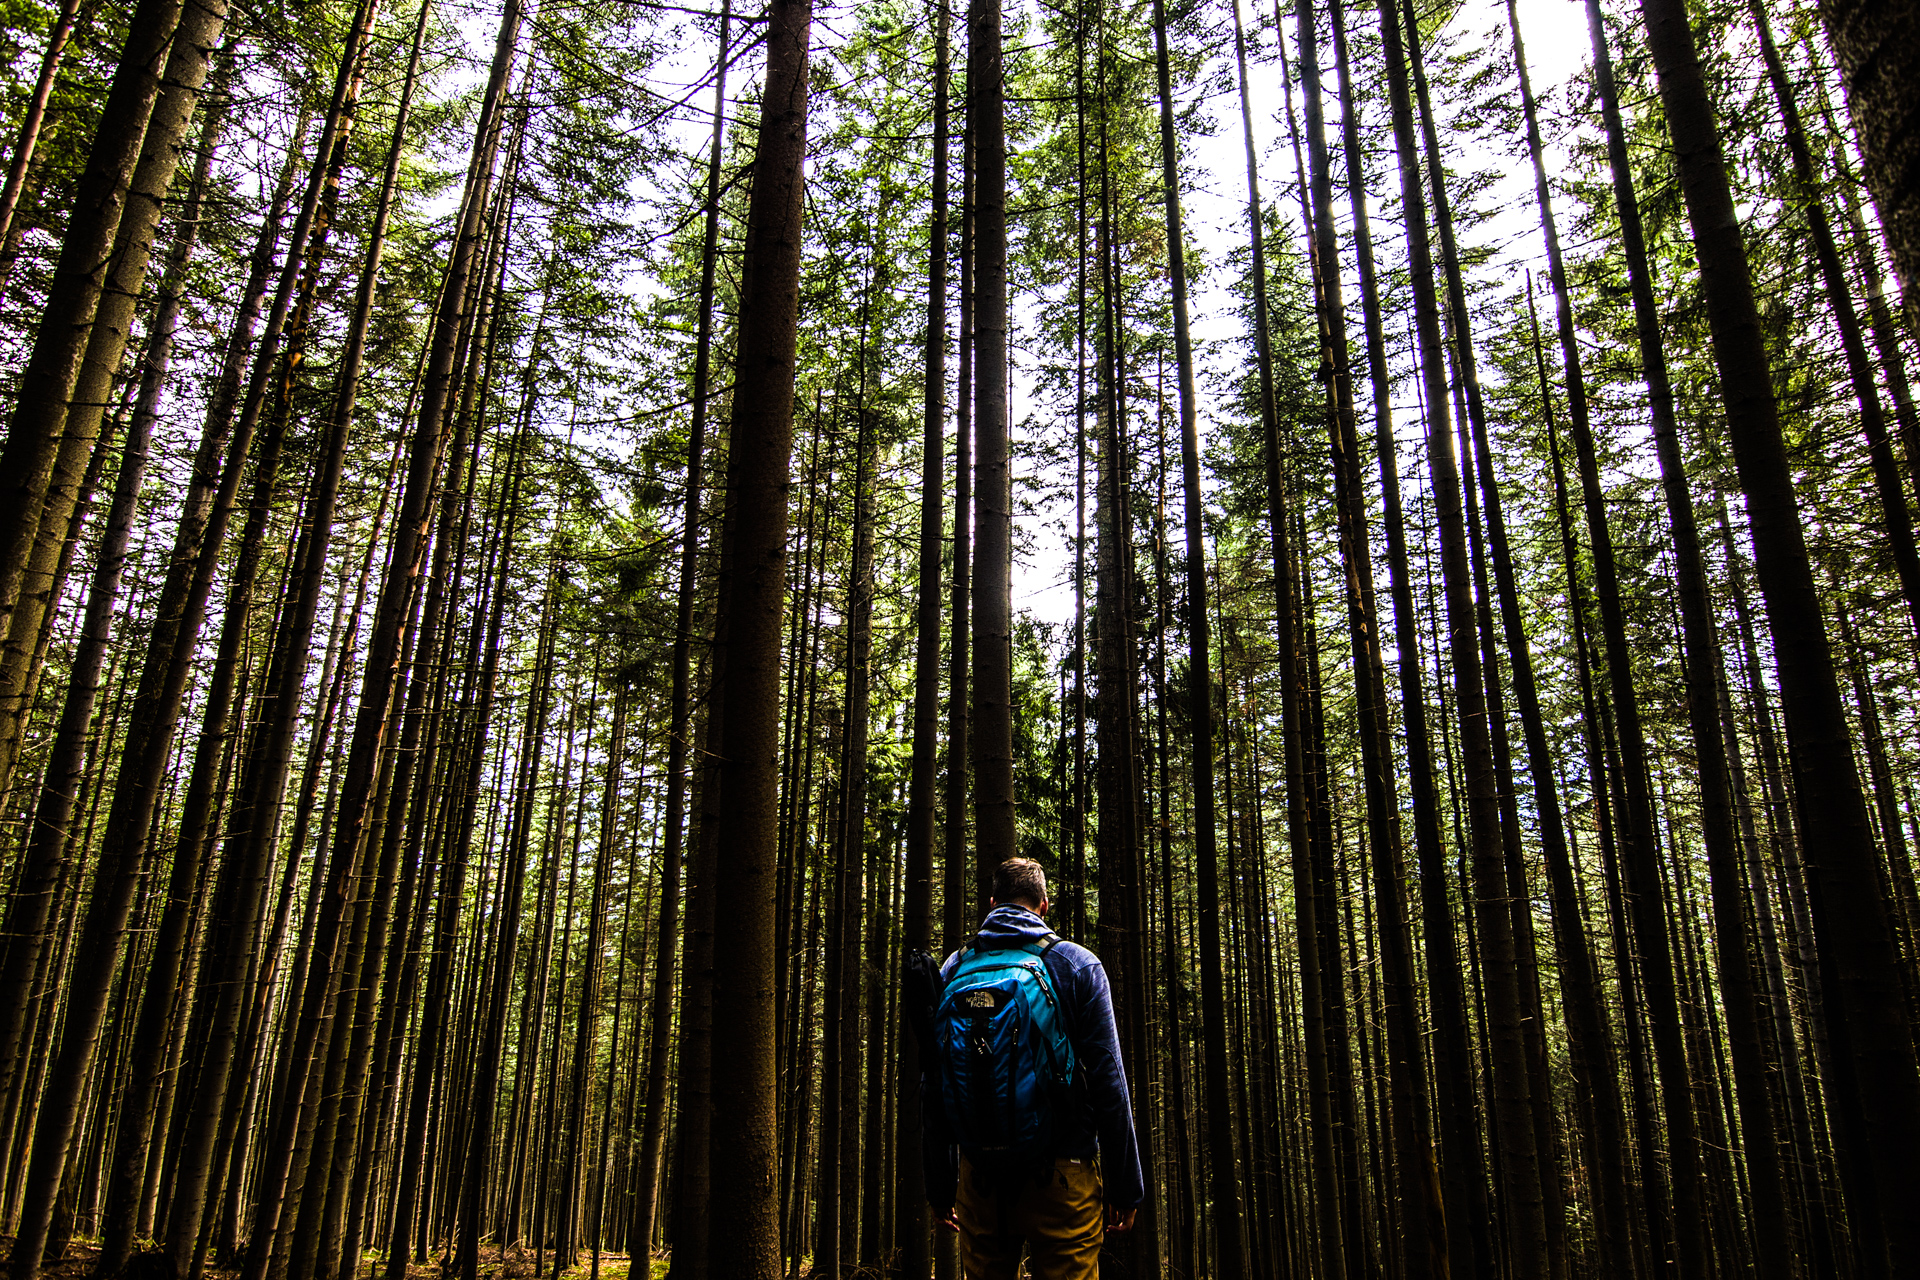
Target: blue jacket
1106 1125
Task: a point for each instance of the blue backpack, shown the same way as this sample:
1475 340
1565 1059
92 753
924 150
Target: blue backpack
1006 1064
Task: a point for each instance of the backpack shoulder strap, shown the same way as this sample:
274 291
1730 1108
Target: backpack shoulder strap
1040 951
1047 944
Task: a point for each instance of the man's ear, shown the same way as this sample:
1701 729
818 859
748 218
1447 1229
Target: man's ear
1041 910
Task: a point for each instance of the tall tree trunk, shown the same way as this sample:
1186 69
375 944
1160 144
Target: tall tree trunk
116 877
477 1178
865 899
680 723
41 866
1471 419
911 1219
36 430
745 1242
383 654
1526 1220
1877 1093
693 1090
153 1033
1322 976
1223 1177
586 1021
1462 1180
1702 649
959 912
1416 1175
841 1187
992 724
435 638
100 368
409 1197
1635 825
1589 1035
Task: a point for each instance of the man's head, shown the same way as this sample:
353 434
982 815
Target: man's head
1021 882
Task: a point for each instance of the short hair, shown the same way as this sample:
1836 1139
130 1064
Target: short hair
1020 880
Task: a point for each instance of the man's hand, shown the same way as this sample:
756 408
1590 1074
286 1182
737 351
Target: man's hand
952 1221
1119 1221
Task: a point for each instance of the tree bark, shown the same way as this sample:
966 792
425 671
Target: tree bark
1223 1178
1878 43
680 722
991 730
745 1241
959 911
911 1218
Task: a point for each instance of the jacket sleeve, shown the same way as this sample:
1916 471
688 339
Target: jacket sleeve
1107 1094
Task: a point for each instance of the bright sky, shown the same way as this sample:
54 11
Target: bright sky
1214 208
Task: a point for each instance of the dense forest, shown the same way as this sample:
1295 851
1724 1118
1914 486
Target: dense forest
546 547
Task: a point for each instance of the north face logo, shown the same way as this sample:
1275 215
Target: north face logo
979 999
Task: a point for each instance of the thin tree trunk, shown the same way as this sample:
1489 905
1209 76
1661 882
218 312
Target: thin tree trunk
44 859
29 585
1417 1177
842 1188
1462 1181
152 1035
1589 1035
1637 840
911 1218
1320 978
1223 1177
409 1199
586 1022
476 1178
1702 650
358 781
1526 1221
30 123
693 1091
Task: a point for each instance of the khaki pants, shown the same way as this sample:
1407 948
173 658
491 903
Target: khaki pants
1057 1218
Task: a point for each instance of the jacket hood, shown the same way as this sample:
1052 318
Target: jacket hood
1010 926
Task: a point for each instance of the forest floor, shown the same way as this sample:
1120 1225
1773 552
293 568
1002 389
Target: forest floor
517 1264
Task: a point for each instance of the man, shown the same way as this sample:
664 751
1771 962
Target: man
1054 1207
